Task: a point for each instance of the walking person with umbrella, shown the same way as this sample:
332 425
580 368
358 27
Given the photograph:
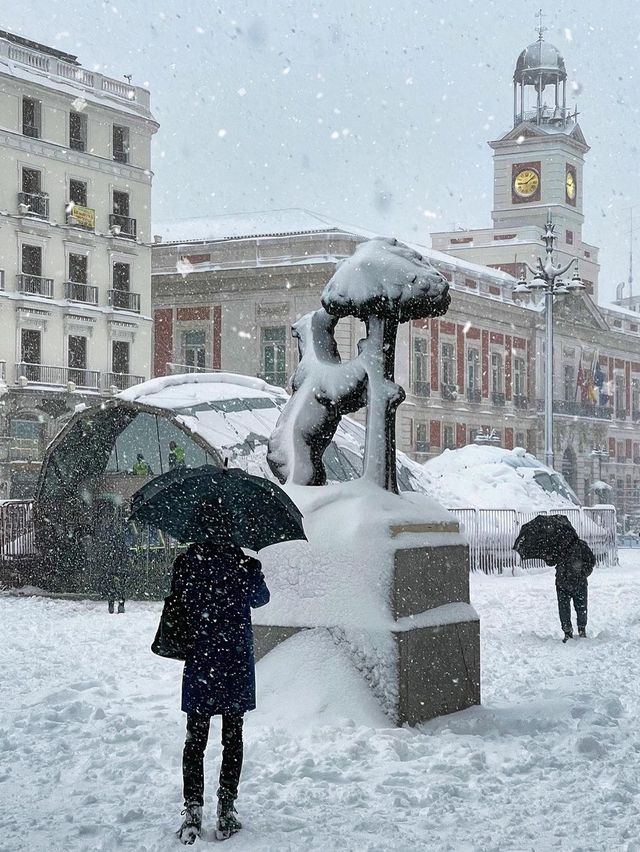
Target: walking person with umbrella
207 618
553 539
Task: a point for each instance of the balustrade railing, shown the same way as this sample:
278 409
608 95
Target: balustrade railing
123 300
36 203
48 374
74 291
121 381
34 285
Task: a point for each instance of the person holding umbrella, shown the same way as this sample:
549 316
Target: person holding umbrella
553 539
206 621
218 585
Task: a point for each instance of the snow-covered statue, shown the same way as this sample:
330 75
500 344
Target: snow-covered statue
383 284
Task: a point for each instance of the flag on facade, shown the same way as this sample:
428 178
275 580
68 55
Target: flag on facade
580 386
599 379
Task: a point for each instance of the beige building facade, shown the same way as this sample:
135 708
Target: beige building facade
75 196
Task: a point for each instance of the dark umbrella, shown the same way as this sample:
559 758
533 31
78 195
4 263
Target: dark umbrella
258 511
545 537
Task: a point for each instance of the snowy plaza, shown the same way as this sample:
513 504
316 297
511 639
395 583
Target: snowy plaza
91 735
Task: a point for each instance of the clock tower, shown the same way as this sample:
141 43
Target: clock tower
538 166
539 163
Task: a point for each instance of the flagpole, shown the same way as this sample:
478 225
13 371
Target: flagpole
548 378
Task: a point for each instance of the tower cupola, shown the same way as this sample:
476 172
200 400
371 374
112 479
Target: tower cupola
540 86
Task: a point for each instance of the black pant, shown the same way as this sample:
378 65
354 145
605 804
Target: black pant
579 597
193 758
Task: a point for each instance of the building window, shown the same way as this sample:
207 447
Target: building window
120 357
32 260
620 400
635 397
77 358
31 353
473 370
122 277
422 438
77 131
520 439
78 192
569 238
31 118
448 356
519 377
31 181
274 355
569 383
448 438
421 385
194 345
497 373
120 203
78 265
121 145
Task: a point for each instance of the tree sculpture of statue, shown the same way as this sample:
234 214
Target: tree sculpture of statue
383 283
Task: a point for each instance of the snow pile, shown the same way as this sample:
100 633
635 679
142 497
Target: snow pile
494 478
91 736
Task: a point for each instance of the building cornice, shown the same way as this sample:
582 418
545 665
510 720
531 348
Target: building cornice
54 151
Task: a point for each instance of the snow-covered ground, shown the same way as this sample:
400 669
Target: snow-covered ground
91 736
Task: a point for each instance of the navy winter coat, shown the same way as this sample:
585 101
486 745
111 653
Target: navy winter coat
218 585
574 566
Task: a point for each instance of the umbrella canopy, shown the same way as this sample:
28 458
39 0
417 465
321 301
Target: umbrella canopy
545 537
257 511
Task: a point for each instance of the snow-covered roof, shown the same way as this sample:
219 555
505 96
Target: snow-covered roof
237 225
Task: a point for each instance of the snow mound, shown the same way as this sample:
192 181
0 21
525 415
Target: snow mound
308 681
494 478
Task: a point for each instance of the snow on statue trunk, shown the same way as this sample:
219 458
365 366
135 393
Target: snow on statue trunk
383 284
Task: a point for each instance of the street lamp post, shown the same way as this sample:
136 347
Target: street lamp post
547 279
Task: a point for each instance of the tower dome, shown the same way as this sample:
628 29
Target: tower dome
541 62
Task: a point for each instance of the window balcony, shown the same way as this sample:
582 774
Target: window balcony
520 400
474 395
497 398
121 155
635 415
121 381
34 204
46 374
122 226
621 413
422 447
34 285
80 217
449 391
123 300
421 389
74 291
77 143
578 409
13 448
31 130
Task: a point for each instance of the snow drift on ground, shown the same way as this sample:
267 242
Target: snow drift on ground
91 737
483 477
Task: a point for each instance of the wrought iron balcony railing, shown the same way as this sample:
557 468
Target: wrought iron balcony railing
421 389
74 291
474 395
47 374
520 400
37 204
121 381
34 285
578 409
497 398
448 391
123 226
123 300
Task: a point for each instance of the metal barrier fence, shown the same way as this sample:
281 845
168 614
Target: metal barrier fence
492 532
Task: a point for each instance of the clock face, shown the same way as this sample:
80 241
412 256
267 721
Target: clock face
570 184
526 183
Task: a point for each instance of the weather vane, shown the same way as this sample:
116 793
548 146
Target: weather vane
541 29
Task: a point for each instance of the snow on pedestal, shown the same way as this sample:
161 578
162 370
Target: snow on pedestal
387 576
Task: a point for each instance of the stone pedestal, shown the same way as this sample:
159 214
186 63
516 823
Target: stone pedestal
436 631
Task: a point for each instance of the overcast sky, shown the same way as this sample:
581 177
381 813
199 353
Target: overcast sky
374 113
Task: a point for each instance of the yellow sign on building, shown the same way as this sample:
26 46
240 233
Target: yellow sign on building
84 216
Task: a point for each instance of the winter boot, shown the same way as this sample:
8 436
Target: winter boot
227 823
567 636
121 606
582 632
111 608
191 827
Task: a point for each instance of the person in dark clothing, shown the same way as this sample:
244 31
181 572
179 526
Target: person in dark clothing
218 585
573 565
